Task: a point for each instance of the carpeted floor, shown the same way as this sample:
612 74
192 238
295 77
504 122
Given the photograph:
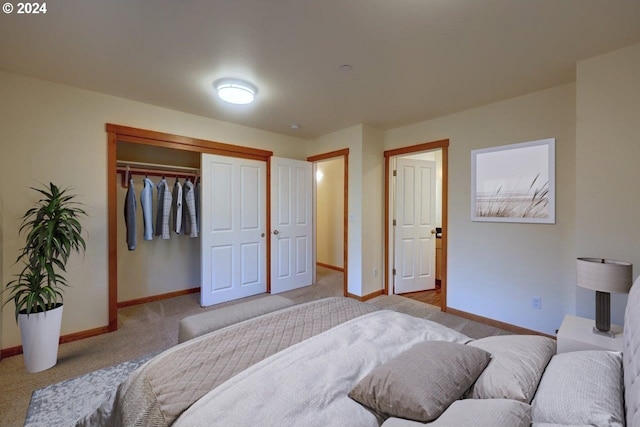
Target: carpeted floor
150 328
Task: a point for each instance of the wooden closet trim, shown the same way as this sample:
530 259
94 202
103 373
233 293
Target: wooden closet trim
345 228
167 140
118 133
441 144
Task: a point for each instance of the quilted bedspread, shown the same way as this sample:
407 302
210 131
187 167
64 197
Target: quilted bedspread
162 389
308 384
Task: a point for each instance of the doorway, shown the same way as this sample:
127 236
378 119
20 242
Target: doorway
329 181
414 257
331 249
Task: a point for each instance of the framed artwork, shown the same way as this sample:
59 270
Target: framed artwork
514 183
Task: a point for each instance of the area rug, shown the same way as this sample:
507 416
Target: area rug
63 403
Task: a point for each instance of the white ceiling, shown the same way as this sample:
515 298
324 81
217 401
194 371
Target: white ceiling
412 59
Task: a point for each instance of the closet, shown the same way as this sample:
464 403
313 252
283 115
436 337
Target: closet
158 266
130 273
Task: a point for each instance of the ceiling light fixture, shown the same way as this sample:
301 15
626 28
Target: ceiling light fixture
235 91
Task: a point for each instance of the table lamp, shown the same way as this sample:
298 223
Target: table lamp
604 276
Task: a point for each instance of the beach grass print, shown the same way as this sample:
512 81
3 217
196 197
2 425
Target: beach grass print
514 183
501 204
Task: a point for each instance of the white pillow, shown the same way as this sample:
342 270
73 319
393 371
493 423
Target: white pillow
476 413
485 413
581 387
517 364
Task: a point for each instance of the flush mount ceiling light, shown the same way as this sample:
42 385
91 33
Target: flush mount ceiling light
235 91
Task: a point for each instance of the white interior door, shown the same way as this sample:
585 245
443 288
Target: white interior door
233 227
415 226
291 224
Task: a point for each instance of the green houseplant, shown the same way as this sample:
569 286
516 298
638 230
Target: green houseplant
52 234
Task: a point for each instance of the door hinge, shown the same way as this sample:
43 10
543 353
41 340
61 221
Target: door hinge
394 222
395 172
394 271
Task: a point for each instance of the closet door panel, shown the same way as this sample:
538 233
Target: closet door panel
234 218
292 224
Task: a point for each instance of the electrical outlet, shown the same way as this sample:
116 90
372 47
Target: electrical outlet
536 303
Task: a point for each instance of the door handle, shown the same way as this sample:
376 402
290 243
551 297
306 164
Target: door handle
262 235
276 232
433 231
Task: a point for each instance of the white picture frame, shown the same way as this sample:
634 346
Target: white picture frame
514 183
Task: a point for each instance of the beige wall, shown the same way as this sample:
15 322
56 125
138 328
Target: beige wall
51 132
495 268
330 213
373 210
607 158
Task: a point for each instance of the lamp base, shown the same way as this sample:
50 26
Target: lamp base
609 334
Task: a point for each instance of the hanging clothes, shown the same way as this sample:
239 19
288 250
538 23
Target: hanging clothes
130 208
164 210
176 218
190 224
146 201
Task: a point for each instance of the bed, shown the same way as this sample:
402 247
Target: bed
340 362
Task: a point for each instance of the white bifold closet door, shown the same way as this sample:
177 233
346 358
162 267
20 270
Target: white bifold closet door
233 226
291 224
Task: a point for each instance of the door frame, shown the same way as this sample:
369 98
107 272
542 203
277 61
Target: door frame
345 220
428 146
118 133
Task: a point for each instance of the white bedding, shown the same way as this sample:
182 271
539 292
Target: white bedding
298 387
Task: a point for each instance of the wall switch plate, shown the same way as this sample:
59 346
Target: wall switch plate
536 303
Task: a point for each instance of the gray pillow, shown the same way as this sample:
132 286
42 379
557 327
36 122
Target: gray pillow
581 387
421 383
517 364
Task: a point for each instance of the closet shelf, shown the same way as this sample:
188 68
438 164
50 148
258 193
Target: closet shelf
125 169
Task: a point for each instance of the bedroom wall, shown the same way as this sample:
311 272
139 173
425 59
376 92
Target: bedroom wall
495 268
373 210
330 212
57 133
607 156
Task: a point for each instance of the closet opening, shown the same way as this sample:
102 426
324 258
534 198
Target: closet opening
155 154
160 263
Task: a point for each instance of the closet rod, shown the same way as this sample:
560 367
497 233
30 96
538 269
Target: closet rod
156 166
125 172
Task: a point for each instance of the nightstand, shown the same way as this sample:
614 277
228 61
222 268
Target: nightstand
576 334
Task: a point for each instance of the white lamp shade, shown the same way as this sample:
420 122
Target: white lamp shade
604 275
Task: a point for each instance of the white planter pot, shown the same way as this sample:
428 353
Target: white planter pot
40 333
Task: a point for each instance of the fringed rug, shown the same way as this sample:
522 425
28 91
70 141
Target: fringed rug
63 403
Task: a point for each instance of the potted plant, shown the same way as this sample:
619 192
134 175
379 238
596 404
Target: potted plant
53 232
